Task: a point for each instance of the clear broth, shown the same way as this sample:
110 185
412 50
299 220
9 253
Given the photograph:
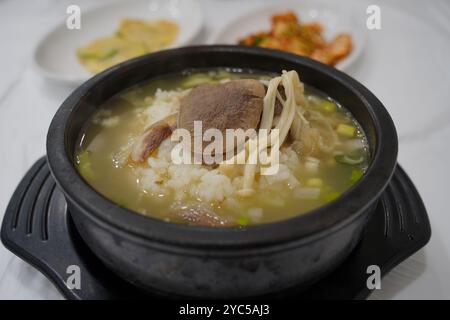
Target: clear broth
120 184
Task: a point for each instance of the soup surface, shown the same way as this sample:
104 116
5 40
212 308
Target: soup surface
317 168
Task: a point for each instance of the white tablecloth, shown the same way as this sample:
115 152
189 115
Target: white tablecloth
403 64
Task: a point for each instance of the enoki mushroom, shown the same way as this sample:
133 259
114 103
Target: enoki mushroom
291 119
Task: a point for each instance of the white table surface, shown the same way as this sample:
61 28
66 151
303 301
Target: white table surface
402 64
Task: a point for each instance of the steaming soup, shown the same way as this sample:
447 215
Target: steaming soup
125 149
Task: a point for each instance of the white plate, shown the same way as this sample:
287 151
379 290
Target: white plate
334 19
55 55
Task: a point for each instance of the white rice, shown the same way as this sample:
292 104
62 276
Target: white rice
165 103
187 182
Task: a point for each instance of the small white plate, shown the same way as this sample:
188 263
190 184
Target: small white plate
334 19
55 55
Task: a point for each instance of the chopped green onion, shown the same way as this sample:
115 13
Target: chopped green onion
255 214
356 175
196 80
243 221
307 193
331 196
222 74
314 182
312 164
346 130
314 100
120 202
104 54
84 165
345 159
328 106
109 53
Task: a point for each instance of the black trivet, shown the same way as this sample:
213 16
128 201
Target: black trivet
37 227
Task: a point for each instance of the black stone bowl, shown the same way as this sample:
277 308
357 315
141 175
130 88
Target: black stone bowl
221 262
